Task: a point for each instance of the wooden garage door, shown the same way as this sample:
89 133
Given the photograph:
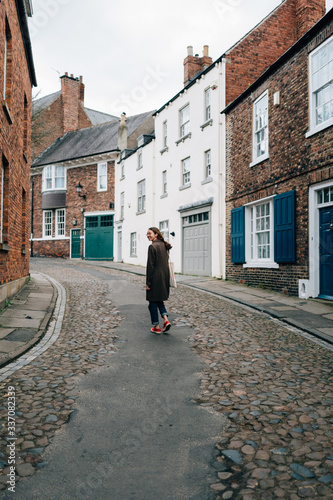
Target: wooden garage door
99 237
196 244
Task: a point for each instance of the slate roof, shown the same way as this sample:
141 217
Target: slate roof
96 117
89 141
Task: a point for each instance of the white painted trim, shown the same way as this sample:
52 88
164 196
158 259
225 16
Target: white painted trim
314 237
104 212
51 239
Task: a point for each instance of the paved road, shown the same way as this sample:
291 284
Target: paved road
136 432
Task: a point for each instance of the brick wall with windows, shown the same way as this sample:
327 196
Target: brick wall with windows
16 79
57 244
268 41
298 157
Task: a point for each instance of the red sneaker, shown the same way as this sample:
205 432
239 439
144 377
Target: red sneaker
166 326
155 329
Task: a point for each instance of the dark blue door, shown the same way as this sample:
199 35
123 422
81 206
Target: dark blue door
326 253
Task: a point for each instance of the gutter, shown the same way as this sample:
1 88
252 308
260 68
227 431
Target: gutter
23 21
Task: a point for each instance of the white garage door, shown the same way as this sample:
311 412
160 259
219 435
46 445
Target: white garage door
196 244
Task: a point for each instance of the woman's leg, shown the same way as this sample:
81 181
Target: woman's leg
153 313
162 309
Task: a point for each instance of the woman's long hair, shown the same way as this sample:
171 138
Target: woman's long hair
160 237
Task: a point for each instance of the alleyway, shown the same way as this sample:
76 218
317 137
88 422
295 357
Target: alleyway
112 412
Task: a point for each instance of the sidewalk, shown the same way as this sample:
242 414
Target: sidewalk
25 320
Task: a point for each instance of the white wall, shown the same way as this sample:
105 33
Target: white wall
160 208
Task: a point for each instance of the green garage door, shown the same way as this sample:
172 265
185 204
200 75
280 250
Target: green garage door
99 237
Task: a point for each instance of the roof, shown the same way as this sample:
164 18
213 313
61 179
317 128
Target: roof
282 59
89 141
96 117
44 102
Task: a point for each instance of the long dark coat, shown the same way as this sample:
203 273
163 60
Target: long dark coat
157 272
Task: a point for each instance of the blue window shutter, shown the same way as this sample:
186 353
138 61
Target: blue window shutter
238 235
284 228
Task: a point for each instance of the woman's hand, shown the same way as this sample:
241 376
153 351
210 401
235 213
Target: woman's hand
147 287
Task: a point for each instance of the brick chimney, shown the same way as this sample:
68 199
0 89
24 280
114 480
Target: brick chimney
72 96
308 13
195 64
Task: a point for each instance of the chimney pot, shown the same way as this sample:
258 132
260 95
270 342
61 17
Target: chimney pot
190 50
205 50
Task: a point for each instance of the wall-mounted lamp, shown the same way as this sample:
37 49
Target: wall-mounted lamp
74 222
79 189
173 233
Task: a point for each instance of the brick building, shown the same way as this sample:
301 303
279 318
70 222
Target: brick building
61 112
279 172
17 76
73 189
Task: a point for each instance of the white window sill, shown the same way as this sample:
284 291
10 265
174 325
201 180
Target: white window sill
267 265
51 238
122 178
206 123
259 160
164 195
101 190
184 187
319 128
207 180
164 150
182 139
140 212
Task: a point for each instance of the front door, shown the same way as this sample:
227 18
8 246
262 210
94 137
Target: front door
326 253
99 237
76 243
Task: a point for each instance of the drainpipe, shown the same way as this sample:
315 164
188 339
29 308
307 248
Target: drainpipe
222 166
32 220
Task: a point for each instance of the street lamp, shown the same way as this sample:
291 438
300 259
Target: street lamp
79 189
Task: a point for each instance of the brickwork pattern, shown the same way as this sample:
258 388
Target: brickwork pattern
248 59
15 148
95 201
295 163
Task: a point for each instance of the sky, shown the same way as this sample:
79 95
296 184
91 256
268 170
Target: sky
130 54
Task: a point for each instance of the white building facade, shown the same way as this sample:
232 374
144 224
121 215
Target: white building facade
176 181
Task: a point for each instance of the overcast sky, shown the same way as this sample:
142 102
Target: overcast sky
129 53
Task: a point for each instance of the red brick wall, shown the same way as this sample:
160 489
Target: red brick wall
295 163
66 113
248 59
95 201
15 150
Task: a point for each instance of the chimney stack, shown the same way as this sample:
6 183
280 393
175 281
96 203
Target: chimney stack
122 133
195 64
308 13
72 96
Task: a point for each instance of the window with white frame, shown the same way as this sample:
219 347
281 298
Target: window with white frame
133 245
261 224
47 223
186 173
165 134
208 165
54 177
164 182
208 114
321 86
122 205
140 165
325 195
102 173
141 196
260 128
60 222
184 121
164 228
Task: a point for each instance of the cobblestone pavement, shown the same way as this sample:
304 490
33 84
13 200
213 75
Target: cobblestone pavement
272 384
45 390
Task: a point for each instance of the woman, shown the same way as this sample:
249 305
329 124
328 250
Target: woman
157 278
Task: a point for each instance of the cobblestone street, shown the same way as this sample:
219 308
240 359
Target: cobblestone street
270 384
